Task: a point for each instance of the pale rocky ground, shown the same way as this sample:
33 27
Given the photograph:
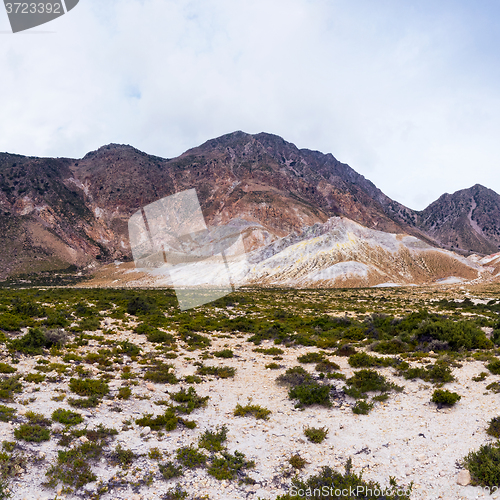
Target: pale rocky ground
406 437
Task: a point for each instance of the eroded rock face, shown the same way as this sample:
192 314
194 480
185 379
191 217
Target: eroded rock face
58 211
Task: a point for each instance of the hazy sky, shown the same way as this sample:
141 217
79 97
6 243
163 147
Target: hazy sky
406 92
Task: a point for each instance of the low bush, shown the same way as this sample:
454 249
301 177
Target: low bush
311 394
190 457
161 373
213 440
169 470
311 357
67 417
73 466
5 368
217 371
32 432
294 377
445 397
88 387
189 400
257 411
316 434
6 413
227 466
494 427
331 481
494 367
297 462
9 386
484 465
326 366
167 420
362 408
271 351
225 353
364 381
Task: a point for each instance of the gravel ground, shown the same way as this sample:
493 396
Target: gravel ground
406 437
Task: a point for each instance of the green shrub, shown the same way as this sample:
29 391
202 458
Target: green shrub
330 481
141 305
364 381
6 413
168 420
228 466
225 353
494 427
156 336
364 360
90 402
37 378
213 440
169 470
345 350
124 392
311 394
479 378
271 351
316 434
294 377
297 462
161 373
311 357
67 417
189 400
273 366
393 346
362 408
494 367
122 457
191 457
32 433
73 465
257 411
88 387
5 368
217 371
484 465
37 418
327 366
445 397
33 342
494 387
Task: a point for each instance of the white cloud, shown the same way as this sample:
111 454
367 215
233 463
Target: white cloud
407 96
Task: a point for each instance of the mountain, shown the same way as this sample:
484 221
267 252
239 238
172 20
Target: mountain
468 220
338 253
57 213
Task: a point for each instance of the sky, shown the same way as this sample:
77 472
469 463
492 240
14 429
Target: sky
407 93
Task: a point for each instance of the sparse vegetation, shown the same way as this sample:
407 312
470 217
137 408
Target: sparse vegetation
316 434
257 411
445 397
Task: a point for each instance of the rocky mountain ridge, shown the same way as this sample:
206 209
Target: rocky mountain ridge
60 212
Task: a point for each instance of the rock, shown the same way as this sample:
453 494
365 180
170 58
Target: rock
145 431
83 439
150 387
463 478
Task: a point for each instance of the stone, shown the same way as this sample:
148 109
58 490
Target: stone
150 387
84 439
463 478
145 431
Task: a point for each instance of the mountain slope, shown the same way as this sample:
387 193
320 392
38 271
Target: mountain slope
468 220
58 212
